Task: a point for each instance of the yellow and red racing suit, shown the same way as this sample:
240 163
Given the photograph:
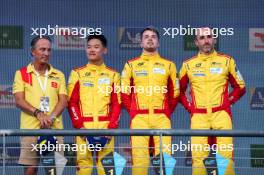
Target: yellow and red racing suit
150 92
209 77
94 103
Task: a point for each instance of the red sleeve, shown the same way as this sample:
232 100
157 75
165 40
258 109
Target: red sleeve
183 86
115 109
237 92
126 97
74 108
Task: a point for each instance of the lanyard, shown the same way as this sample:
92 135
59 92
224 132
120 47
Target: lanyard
43 86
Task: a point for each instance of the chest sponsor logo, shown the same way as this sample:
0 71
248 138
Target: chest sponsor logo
104 81
159 64
216 70
198 75
54 84
87 74
216 64
198 65
140 64
141 73
157 70
88 84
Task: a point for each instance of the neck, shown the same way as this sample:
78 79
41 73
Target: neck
96 62
150 53
40 68
207 53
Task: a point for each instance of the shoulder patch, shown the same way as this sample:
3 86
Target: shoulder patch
111 69
26 77
224 55
133 59
79 68
166 59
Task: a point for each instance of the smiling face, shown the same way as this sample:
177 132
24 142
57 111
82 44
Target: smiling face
149 41
42 51
205 40
95 50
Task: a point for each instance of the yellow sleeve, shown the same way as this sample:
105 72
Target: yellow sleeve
234 72
175 81
173 87
237 82
73 79
62 89
117 84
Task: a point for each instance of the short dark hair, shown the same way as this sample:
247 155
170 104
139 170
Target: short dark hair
36 38
102 38
150 29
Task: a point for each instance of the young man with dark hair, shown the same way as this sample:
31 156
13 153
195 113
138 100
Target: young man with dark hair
209 74
40 93
149 110
91 103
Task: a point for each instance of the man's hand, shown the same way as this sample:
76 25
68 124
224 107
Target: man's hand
44 120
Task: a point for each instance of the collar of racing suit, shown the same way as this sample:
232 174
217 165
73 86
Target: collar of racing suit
203 56
94 67
147 57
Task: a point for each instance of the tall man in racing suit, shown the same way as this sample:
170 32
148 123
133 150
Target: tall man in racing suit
93 101
209 74
150 92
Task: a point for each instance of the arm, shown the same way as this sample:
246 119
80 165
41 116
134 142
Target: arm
115 103
62 99
74 99
125 87
184 80
19 94
173 88
237 83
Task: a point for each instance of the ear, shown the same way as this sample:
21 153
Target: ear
105 50
196 42
32 52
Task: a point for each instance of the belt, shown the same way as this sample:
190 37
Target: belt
133 113
100 118
204 110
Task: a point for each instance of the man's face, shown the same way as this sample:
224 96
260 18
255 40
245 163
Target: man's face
204 40
95 50
149 41
42 51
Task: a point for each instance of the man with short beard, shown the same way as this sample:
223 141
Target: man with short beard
149 110
209 74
